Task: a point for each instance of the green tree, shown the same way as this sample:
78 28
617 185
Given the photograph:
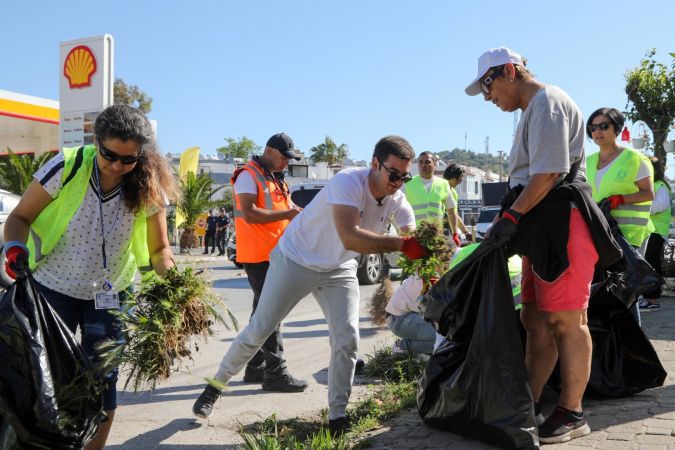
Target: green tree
196 197
16 171
239 148
328 151
651 98
130 94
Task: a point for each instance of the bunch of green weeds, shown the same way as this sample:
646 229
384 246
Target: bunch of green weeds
162 321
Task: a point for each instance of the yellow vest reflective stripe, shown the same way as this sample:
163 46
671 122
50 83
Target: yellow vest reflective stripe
427 205
52 222
633 220
515 266
662 219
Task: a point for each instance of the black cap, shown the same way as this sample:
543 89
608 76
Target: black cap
284 144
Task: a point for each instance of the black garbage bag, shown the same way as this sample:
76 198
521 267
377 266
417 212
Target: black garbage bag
632 275
624 361
475 384
50 392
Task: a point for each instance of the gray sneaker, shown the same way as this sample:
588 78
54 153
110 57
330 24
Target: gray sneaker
563 425
283 382
203 407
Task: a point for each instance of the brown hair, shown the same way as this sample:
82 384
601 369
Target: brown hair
393 145
150 183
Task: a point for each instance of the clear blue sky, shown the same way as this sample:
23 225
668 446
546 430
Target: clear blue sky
353 70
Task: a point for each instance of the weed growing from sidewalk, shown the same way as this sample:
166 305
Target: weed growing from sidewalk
399 373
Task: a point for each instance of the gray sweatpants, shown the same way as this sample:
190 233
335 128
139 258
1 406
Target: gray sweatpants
337 293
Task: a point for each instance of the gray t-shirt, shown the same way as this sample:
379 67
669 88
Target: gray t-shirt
549 139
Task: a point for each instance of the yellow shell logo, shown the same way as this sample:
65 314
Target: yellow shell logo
79 67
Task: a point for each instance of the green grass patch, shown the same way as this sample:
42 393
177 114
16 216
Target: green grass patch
397 391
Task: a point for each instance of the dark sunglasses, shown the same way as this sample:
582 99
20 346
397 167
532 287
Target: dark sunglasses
485 84
604 126
111 156
394 176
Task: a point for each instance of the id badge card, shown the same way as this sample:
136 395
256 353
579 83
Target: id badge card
106 300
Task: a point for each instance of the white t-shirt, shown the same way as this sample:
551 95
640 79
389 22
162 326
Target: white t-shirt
77 260
311 239
404 298
245 184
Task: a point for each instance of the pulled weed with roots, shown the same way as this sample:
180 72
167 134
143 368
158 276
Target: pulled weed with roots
161 323
379 300
430 236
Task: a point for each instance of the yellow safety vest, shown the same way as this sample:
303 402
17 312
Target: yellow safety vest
427 205
633 220
52 222
661 220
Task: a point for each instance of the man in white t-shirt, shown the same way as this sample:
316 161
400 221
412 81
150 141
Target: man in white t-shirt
316 255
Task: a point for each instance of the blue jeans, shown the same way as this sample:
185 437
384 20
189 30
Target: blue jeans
96 325
417 335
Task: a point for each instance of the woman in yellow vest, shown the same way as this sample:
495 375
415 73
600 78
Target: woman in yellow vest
622 176
90 219
660 216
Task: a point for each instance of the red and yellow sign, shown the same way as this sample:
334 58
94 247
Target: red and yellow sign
79 67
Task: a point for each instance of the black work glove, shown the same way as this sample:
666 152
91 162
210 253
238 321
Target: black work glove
504 229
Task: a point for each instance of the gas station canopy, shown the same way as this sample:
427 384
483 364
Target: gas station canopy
28 124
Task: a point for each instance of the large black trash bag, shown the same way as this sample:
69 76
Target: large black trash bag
50 392
475 384
624 360
631 275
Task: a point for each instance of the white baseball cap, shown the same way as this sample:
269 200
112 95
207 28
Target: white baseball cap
492 58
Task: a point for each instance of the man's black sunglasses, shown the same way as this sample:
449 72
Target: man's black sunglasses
111 156
394 176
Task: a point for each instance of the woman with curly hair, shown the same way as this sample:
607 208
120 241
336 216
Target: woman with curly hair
90 219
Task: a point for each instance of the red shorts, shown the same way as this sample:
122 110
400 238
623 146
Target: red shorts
571 290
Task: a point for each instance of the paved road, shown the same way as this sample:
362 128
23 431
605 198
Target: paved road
163 419
644 421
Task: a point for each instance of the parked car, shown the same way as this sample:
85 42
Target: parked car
371 267
485 218
8 202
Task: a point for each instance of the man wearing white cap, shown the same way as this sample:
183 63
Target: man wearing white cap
541 223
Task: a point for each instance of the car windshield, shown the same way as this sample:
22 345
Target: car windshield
302 197
487 215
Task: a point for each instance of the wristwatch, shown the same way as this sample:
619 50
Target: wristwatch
515 214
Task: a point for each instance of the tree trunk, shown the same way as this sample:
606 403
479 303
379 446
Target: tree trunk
188 240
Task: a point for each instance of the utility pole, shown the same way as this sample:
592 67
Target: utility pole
500 153
465 134
487 145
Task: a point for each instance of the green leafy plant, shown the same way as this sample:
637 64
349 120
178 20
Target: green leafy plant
430 236
650 88
196 197
161 323
16 171
329 152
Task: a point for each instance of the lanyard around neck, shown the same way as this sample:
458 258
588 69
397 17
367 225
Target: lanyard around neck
97 181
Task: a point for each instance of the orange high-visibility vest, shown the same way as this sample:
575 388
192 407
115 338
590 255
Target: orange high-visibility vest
255 241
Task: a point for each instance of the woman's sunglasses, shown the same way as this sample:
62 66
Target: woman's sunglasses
394 176
111 156
487 81
604 126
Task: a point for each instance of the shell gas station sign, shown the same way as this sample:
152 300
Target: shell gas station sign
85 87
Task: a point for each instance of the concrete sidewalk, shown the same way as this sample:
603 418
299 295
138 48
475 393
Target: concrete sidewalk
644 421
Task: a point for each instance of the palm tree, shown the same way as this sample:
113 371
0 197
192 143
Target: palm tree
16 171
329 152
196 194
